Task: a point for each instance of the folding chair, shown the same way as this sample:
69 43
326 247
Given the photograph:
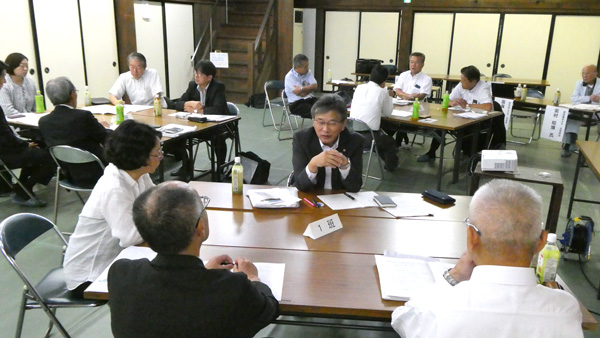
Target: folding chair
535 114
276 101
50 293
66 157
5 169
358 125
287 115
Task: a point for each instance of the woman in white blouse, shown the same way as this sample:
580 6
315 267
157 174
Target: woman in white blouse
105 225
18 94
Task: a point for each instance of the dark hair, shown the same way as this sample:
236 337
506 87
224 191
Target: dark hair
130 145
419 55
3 66
166 216
137 56
299 59
379 74
13 60
206 67
328 103
471 73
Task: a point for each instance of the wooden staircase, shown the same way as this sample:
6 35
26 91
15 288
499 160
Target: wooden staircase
237 38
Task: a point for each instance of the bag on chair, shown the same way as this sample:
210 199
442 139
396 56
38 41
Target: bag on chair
256 170
364 66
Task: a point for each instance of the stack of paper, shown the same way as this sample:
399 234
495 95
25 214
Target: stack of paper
470 115
409 207
173 129
400 102
274 198
351 200
101 109
400 276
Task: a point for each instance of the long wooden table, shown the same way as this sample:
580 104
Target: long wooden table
446 123
588 152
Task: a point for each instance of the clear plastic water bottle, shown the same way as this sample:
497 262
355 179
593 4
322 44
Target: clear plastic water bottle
329 75
39 103
87 98
548 261
524 93
120 116
556 100
415 111
237 177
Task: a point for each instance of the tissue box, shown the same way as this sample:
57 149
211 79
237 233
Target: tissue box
499 160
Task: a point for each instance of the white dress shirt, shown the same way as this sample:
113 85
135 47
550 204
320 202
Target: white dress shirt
418 84
369 103
579 92
15 98
480 94
497 301
105 226
343 172
293 79
141 91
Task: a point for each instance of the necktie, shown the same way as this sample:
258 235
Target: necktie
588 90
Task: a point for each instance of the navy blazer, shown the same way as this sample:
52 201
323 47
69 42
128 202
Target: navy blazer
306 145
215 103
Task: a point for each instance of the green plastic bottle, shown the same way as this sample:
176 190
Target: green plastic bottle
120 116
548 261
39 103
157 106
237 177
415 113
445 102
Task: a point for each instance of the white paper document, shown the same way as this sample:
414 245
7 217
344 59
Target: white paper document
470 115
274 198
401 113
132 108
582 106
173 129
30 119
214 118
363 199
102 109
269 273
408 207
400 102
400 276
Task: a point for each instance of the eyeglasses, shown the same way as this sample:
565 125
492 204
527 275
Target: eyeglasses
205 200
330 124
159 154
468 223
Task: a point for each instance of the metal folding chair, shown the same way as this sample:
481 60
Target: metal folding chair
5 169
276 101
358 125
287 116
535 114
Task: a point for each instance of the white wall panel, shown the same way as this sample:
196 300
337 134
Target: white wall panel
341 45
149 36
432 33
180 46
379 36
474 42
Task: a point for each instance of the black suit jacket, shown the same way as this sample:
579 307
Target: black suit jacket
215 104
306 145
176 296
76 128
10 144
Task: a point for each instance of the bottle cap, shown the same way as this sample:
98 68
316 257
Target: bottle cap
551 238
237 159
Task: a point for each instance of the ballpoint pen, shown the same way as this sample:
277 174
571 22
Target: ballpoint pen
317 204
350 196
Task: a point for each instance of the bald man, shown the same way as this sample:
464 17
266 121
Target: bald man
587 90
492 290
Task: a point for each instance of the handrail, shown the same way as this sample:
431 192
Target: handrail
208 26
263 24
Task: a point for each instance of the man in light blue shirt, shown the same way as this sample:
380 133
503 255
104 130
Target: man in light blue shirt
299 85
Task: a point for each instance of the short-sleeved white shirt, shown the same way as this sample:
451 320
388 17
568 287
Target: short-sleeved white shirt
418 84
369 103
480 94
293 79
141 91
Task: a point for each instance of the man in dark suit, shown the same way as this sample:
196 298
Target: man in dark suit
205 95
176 294
36 164
328 155
66 125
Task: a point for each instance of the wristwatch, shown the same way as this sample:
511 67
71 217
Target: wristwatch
449 278
344 167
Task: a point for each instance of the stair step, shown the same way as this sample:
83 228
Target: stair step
233 44
244 17
233 31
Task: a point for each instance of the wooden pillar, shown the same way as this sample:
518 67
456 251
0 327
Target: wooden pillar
126 39
285 36
405 41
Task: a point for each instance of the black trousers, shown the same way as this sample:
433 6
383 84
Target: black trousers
386 147
302 107
37 166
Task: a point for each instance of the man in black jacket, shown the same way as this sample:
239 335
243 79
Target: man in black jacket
36 164
175 294
66 125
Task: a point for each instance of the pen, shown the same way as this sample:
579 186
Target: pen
223 264
350 196
317 204
308 202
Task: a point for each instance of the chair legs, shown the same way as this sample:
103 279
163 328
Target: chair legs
287 116
27 191
366 174
537 120
267 104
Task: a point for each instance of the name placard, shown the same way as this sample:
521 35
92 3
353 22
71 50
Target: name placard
555 123
324 226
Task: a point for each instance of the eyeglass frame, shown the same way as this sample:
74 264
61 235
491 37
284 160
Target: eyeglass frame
159 154
331 124
205 200
468 223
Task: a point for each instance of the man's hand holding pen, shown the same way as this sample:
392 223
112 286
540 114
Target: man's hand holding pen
241 264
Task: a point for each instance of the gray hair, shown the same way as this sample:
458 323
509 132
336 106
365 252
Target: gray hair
59 90
508 214
137 56
299 59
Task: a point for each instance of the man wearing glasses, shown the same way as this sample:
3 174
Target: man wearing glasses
141 84
492 290
328 156
176 294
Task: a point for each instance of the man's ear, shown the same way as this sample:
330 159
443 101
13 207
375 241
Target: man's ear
542 241
473 239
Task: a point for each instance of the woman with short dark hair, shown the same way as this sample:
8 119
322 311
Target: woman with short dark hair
105 225
18 94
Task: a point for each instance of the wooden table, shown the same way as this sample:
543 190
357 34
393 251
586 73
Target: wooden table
590 151
446 123
531 175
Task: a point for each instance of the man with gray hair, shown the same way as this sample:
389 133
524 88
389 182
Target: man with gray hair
141 84
299 85
176 294
492 290
66 125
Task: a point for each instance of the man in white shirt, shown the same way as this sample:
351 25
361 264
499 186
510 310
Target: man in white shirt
370 102
492 290
141 84
299 85
469 92
587 90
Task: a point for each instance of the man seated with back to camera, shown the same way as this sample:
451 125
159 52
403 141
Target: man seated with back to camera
176 294
370 102
328 156
492 290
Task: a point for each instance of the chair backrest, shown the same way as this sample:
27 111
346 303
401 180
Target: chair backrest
17 231
501 75
358 125
274 84
290 180
535 94
233 109
73 155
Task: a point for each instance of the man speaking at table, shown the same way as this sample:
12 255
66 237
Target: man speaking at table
492 290
175 294
328 156
141 84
